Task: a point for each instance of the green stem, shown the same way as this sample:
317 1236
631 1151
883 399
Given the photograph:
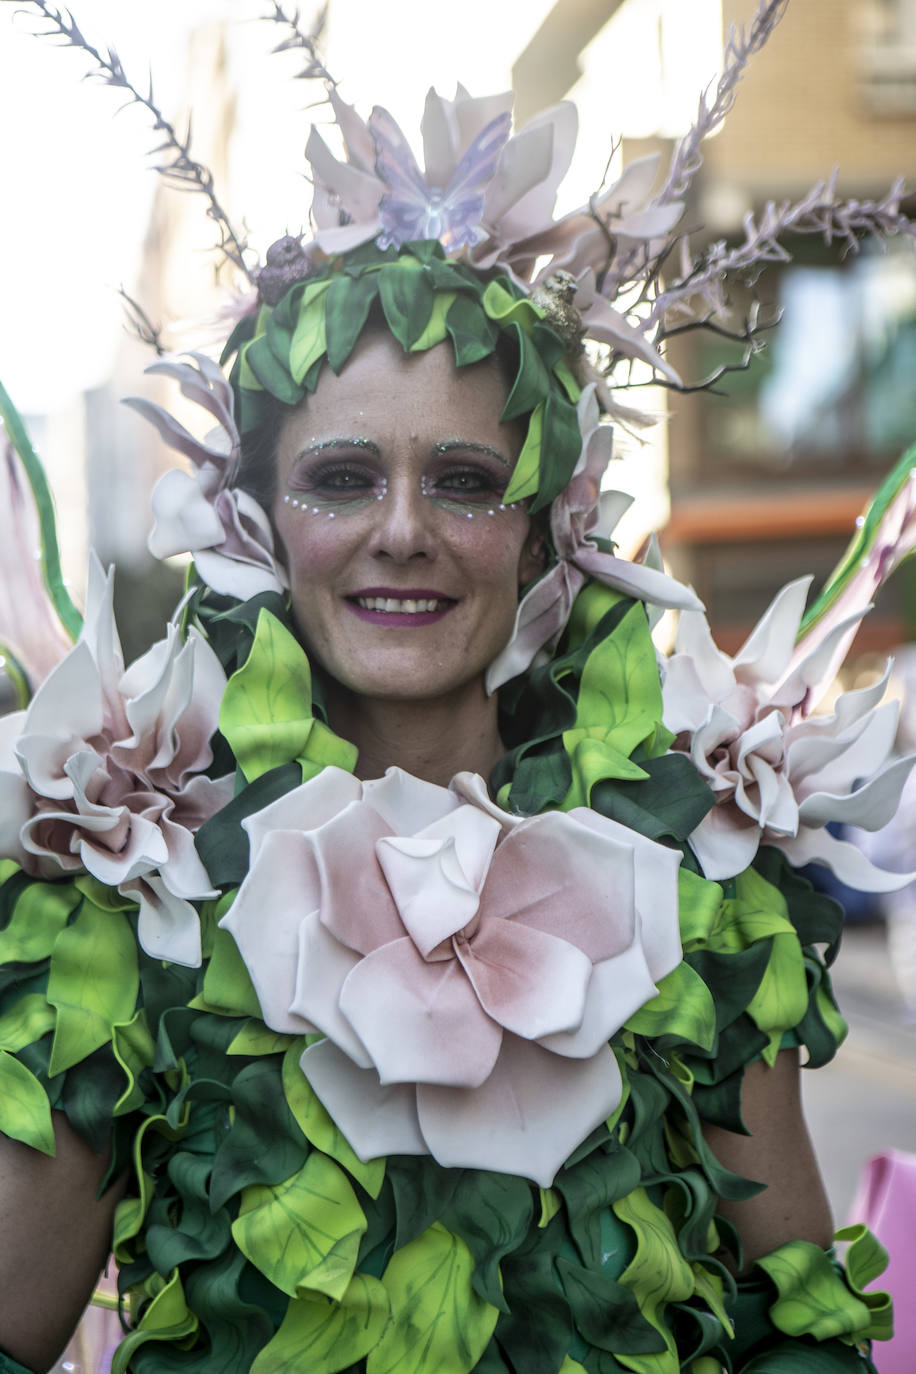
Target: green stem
50 553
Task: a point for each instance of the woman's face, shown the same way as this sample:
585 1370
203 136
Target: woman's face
404 564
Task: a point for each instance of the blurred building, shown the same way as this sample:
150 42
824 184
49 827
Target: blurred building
767 480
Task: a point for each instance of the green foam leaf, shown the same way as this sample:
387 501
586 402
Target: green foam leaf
439 1324
304 1232
323 1337
93 983
683 1006
25 1112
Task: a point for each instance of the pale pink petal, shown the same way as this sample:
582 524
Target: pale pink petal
183 519
524 163
474 834
183 872
712 669
433 897
845 860
321 969
472 788
357 138
769 645
305 808
439 1034
536 205
725 842
618 988
440 150
529 982
67 709
571 880
607 325
776 807
376 1120
866 747
279 891
540 619
870 806
636 580
167 927
406 803
359 191
356 905
528 1117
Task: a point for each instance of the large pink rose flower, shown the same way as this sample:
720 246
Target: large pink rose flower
104 773
466 967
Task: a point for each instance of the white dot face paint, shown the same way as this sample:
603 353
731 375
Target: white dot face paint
404 562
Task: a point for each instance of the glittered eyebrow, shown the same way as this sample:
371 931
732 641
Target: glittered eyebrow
342 443
466 446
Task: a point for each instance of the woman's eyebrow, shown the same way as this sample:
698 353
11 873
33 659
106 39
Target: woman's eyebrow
467 446
349 442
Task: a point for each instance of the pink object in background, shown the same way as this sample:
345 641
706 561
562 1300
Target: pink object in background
886 1202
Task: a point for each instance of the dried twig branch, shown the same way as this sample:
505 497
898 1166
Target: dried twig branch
141 325
302 39
182 171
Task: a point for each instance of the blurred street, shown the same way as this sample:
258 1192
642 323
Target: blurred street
865 1101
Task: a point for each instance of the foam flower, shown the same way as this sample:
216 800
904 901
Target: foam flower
466 967
781 773
104 773
579 512
225 530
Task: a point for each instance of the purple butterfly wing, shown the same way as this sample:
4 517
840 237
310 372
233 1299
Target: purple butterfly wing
404 209
463 196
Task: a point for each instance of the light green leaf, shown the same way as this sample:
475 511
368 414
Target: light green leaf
757 911
27 1020
571 1366
439 1324
25 1112
135 1050
619 705
256 1038
813 1299
501 305
266 712
683 1006
318 1128
551 1203
781 999
318 1336
524 480
93 983
698 902
305 1232
866 1258
40 914
435 331
309 337
168 1318
657 1275
228 989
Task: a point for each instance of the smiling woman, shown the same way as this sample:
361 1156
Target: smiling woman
366 977
405 564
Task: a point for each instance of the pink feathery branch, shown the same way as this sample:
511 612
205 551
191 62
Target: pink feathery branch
740 46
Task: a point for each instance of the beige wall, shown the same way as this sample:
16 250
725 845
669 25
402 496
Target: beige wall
801 110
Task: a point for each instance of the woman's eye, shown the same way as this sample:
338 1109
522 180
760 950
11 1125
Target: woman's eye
337 481
468 483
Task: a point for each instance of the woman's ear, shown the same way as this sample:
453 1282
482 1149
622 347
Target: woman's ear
533 558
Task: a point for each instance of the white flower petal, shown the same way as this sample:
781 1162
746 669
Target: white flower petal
376 1120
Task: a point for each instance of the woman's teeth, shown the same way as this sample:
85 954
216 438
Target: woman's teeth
407 607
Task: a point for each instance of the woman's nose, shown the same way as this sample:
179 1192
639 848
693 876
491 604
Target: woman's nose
403 525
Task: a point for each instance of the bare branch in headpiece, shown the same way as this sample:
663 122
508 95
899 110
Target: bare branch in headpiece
301 39
741 45
141 325
819 212
182 171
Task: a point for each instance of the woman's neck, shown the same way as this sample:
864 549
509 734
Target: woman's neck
433 740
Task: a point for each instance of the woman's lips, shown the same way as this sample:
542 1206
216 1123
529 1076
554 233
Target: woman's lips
391 607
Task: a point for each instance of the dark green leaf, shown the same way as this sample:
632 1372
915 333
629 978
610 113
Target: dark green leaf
669 804
606 1313
472 332
407 299
222 843
347 306
532 380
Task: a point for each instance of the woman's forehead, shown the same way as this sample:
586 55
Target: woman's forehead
381 386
